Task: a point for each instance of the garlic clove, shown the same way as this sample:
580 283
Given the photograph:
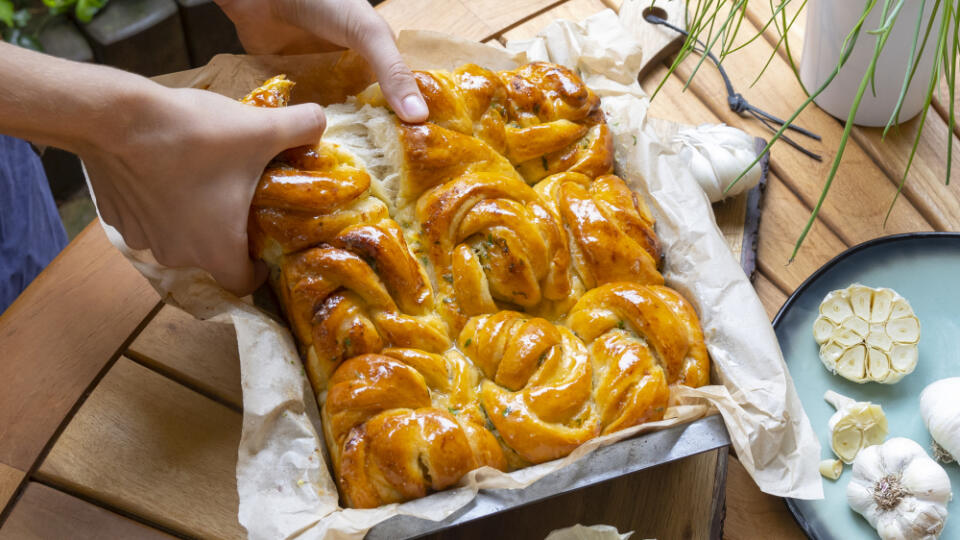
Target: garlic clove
860 300
879 365
836 307
867 334
847 440
823 328
856 325
905 330
882 305
831 468
903 358
852 363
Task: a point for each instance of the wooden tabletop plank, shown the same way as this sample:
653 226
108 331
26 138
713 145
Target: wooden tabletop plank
200 354
662 502
783 219
10 479
454 18
770 295
752 514
571 10
58 336
151 447
926 186
44 513
501 14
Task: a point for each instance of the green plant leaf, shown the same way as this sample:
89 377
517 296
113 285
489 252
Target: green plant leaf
59 7
6 12
86 9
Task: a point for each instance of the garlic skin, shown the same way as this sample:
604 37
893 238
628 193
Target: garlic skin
867 334
831 468
940 409
855 426
900 490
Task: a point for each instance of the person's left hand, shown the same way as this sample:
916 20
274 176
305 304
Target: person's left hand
305 26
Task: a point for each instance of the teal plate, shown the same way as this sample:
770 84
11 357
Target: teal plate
924 268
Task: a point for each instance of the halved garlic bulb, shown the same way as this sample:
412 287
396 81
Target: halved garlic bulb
867 334
855 425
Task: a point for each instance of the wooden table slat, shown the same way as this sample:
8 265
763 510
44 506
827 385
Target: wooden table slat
58 336
45 513
783 219
200 354
572 10
151 447
10 479
770 295
752 514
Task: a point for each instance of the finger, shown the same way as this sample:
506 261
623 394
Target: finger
297 125
235 271
396 80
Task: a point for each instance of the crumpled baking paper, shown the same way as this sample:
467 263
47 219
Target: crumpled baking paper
593 532
284 484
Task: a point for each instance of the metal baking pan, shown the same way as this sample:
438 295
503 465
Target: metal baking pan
618 459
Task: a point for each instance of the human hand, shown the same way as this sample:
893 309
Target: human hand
180 171
304 26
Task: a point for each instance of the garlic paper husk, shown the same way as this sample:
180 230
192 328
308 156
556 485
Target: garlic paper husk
867 334
855 426
716 154
900 490
940 409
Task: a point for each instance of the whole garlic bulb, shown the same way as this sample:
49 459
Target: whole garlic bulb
900 490
867 334
855 426
940 409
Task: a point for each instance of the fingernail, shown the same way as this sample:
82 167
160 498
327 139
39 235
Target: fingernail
414 108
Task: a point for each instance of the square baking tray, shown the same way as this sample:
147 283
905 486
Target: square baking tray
606 463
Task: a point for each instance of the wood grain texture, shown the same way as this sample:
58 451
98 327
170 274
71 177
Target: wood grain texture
501 14
45 513
149 446
58 336
200 354
770 295
571 10
926 186
752 514
658 43
783 219
10 479
672 501
453 18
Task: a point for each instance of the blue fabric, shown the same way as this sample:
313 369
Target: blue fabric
31 233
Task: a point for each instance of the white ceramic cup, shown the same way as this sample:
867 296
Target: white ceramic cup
829 22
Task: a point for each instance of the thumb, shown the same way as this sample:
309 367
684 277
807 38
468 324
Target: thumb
395 78
297 125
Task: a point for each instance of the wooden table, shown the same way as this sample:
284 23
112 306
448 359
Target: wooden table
120 417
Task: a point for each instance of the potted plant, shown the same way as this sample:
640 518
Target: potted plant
868 62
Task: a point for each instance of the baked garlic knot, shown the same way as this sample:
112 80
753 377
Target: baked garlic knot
538 388
492 238
403 423
477 290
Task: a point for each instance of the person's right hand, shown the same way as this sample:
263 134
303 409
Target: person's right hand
178 172
305 26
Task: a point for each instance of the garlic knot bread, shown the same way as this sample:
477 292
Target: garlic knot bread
477 290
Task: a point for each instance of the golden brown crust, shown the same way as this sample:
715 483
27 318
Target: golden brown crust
502 306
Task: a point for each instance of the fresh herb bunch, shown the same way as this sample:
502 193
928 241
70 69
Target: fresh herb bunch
718 22
22 21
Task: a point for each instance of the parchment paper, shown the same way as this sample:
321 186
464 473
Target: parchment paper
284 484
